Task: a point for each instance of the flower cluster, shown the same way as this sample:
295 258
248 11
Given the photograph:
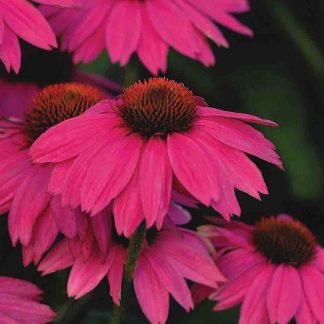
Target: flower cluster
103 184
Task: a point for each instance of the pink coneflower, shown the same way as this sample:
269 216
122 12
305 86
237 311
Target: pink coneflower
167 258
35 217
19 18
275 269
146 27
20 303
130 152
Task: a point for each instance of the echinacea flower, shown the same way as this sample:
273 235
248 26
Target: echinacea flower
20 19
157 136
20 303
146 27
275 269
167 258
35 217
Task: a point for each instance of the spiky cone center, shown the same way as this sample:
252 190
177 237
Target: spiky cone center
158 106
59 102
284 241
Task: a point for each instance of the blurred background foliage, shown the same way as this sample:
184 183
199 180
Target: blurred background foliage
278 74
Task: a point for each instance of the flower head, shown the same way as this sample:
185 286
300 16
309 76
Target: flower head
275 269
20 303
167 258
156 138
35 217
146 27
19 18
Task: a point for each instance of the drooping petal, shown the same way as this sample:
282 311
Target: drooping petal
23 213
313 284
115 274
59 258
127 206
242 137
155 181
109 173
284 295
69 138
101 224
64 217
171 278
151 49
28 23
85 276
123 30
192 167
10 53
44 234
254 308
150 292
19 287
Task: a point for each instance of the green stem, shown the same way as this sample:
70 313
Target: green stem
297 34
133 253
131 73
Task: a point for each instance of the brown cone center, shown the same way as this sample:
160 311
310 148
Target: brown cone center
57 103
284 241
158 107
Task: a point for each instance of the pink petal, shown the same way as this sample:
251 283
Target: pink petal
58 176
170 277
28 23
192 167
61 3
23 213
151 50
93 20
214 112
109 173
167 18
10 53
254 308
25 311
85 276
186 253
69 138
150 292
115 273
304 313
284 295
233 291
65 217
178 214
123 30
59 258
101 225
242 137
128 210
44 234
205 25
19 288
155 181
313 284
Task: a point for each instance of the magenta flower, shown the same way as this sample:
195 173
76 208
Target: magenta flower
275 269
148 28
132 151
20 303
35 217
19 18
167 258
